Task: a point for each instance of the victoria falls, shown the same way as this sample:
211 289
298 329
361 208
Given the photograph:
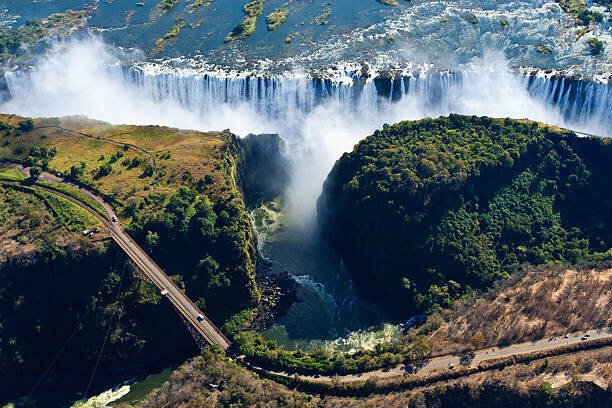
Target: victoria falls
305 203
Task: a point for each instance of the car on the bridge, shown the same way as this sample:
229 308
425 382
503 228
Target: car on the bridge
200 317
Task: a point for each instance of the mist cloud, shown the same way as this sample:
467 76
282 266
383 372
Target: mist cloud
73 78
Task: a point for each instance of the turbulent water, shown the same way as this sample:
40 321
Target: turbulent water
437 33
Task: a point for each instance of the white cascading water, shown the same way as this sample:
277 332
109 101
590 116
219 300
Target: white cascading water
580 104
579 101
319 119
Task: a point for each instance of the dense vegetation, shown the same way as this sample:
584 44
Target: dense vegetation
57 283
267 354
184 205
276 18
78 297
423 212
180 195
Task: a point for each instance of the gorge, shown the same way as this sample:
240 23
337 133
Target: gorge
326 181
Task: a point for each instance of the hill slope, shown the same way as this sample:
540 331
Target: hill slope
425 211
181 195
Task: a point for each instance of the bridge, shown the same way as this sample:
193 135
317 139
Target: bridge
179 299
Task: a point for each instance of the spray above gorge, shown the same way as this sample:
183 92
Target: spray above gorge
368 163
318 118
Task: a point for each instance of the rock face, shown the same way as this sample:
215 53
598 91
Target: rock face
264 168
424 211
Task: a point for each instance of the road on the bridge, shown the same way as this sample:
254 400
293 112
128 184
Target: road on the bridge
158 277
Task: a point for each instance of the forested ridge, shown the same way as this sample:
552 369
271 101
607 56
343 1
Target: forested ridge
185 207
425 211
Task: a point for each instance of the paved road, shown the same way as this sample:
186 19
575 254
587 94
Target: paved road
446 362
177 297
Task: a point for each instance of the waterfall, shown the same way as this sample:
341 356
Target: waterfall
274 96
577 103
578 100
582 104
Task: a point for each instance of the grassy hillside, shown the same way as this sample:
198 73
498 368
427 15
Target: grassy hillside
35 220
177 190
423 212
180 195
542 303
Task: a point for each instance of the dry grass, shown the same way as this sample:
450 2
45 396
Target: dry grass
523 379
211 380
31 222
538 304
78 140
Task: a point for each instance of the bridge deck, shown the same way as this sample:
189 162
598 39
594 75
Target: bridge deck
158 277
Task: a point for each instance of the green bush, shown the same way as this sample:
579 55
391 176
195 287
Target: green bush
596 45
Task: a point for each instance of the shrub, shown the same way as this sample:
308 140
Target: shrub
26 125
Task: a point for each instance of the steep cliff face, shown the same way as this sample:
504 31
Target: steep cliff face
424 211
180 193
264 168
66 305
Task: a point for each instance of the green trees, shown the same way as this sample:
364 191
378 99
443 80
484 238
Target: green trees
426 211
77 171
26 125
207 241
596 45
276 18
152 240
328 362
105 169
35 173
246 28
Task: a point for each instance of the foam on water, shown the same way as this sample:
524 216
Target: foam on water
104 399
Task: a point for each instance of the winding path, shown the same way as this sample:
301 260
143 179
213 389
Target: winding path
553 346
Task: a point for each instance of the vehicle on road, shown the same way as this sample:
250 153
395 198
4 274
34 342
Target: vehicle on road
200 317
114 218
